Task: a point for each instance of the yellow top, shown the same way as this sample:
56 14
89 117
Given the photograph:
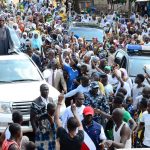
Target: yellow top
101 88
63 16
140 117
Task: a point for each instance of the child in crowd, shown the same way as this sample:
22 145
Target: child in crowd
129 102
30 146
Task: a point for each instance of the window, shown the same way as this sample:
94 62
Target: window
13 70
124 62
136 66
119 55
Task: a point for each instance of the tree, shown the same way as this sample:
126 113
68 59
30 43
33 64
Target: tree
129 3
3 2
75 6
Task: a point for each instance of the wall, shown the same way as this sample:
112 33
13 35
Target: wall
101 4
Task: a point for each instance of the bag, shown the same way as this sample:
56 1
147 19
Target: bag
37 109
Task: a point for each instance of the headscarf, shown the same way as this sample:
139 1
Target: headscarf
17 30
36 43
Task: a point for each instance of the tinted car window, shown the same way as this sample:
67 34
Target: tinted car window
88 33
136 66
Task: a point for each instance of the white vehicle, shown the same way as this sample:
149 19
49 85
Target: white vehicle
134 58
20 81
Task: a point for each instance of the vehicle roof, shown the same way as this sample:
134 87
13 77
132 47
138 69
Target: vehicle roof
85 25
14 57
134 55
86 28
88 33
139 56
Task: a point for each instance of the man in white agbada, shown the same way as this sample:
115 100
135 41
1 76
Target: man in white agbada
79 99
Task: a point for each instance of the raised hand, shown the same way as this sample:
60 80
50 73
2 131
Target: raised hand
97 111
108 143
73 107
60 98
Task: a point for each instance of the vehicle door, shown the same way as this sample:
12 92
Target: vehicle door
121 55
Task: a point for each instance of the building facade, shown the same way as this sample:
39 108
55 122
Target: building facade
93 3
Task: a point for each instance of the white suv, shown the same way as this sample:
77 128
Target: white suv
20 81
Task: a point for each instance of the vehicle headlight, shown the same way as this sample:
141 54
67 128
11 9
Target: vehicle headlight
5 107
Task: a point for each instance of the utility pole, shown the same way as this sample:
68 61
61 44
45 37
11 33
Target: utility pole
69 15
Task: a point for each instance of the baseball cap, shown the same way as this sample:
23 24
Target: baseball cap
94 84
88 111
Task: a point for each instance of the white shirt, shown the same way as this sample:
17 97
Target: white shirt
137 100
129 81
86 20
45 101
68 113
140 118
146 120
108 89
80 88
51 75
41 1
48 73
125 86
7 134
23 40
113 81
135 93
117 136
94 21
102 134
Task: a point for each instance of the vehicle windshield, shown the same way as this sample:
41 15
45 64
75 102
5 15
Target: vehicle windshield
18 70
136 66
15 38
88 33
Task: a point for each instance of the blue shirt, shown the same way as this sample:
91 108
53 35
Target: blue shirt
130 110
94 131
73 74
45 139
97 101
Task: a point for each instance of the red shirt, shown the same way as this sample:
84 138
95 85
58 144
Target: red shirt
7 143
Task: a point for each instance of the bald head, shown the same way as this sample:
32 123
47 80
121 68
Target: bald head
51 107
146 92
117 115
118 111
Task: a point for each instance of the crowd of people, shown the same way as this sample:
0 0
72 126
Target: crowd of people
104 107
